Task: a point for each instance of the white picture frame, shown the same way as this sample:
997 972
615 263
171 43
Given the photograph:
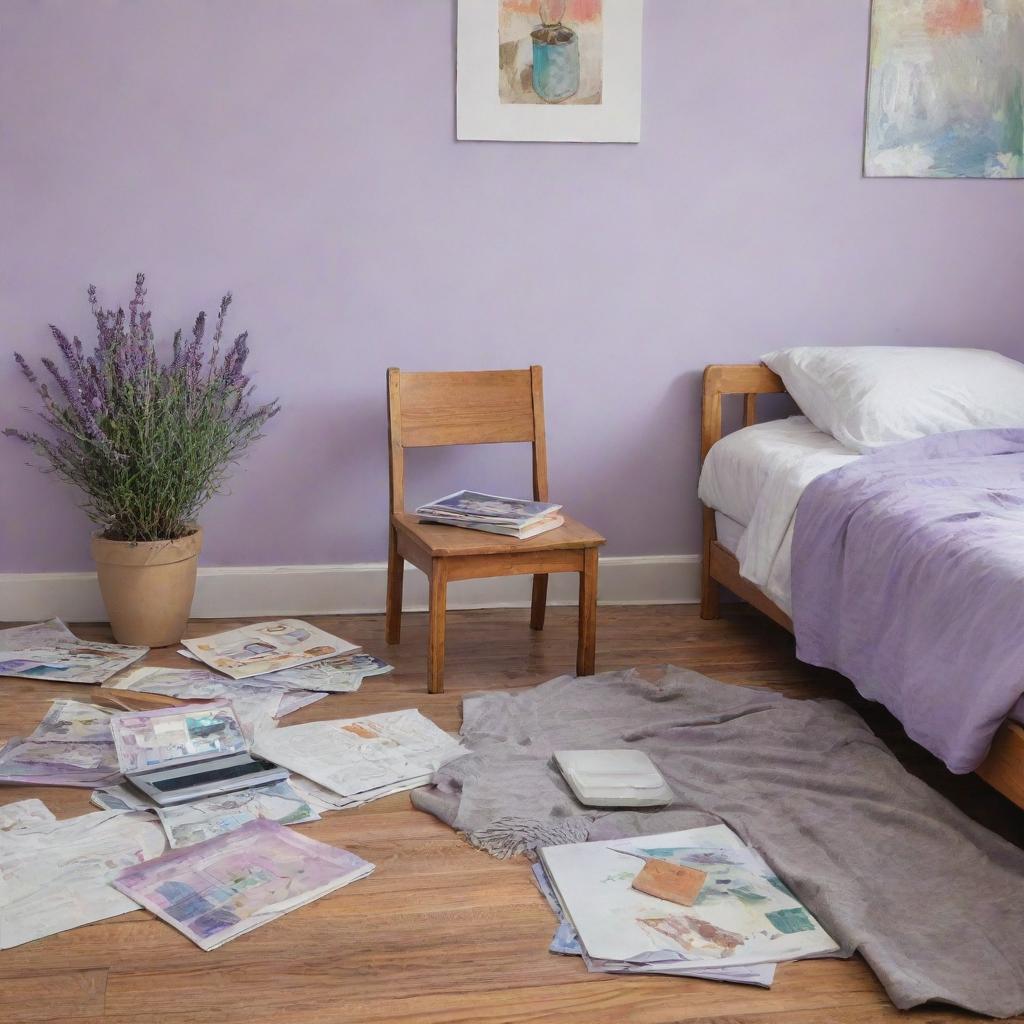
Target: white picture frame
482 114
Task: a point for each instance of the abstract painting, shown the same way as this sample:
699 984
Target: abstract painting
549 70
946 89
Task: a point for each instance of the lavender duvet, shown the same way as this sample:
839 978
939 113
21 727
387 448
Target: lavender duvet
908 578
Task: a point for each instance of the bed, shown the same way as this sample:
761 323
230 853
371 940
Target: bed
737 526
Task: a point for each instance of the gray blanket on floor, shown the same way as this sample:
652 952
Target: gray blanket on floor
930 898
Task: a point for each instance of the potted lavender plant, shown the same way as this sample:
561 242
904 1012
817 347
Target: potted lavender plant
148 442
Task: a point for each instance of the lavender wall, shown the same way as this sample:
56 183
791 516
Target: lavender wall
302 154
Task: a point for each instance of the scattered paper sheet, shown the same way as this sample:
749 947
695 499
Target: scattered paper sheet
56 875
215 891
744 914
187 824
24 814
267 647
567 943
72 746
255 705
49 650
335 675
363 758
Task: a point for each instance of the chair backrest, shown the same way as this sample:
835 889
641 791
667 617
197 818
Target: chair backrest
428 410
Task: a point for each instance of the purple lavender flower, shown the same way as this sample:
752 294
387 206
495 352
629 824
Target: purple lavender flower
148 442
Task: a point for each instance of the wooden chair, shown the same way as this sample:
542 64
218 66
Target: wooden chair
486 407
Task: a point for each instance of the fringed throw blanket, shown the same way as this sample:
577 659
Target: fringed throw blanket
932 900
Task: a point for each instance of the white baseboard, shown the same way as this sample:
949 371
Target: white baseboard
242 591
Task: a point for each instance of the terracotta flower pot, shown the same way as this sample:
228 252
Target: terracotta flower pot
147 586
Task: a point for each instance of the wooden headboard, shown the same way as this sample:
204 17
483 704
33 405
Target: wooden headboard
746 379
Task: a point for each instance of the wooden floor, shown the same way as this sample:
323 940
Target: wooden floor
442 933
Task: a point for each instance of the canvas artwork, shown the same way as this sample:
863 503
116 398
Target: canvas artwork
946 90
549 70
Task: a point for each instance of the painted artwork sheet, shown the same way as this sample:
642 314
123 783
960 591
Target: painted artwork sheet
72 746
267 647
335 675
188 824
56 875
343 674
946 89
567 943
148 739
363 758
219 889
49 650
744 914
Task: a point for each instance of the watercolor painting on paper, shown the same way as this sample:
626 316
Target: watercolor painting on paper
946 89
549 51
549 70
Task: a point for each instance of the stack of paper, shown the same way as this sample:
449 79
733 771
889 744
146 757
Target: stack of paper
362 759
49 650
72 746
744 920
217 890
509 517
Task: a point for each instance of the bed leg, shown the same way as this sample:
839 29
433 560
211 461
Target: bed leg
708 585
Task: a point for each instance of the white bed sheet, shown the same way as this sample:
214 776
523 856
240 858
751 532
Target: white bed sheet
755 477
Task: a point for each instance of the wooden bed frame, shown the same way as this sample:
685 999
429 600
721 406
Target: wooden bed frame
1003 769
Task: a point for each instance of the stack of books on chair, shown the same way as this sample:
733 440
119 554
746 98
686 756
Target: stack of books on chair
509 517
696 903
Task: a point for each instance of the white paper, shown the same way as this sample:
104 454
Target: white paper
266 647
56 875
187 824
363 758
744 914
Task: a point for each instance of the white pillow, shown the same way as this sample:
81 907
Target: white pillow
871 396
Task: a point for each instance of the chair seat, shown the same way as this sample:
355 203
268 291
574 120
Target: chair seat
437 540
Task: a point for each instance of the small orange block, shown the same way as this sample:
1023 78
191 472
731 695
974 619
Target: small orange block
671 882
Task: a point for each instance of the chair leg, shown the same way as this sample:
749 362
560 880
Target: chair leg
393 606
586 649
539 604
435 642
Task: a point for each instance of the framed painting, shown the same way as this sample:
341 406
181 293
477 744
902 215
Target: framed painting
549 70
945 95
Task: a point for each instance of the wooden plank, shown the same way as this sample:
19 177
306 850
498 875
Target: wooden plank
54 995
456 541
726 570
1003 769
479 407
